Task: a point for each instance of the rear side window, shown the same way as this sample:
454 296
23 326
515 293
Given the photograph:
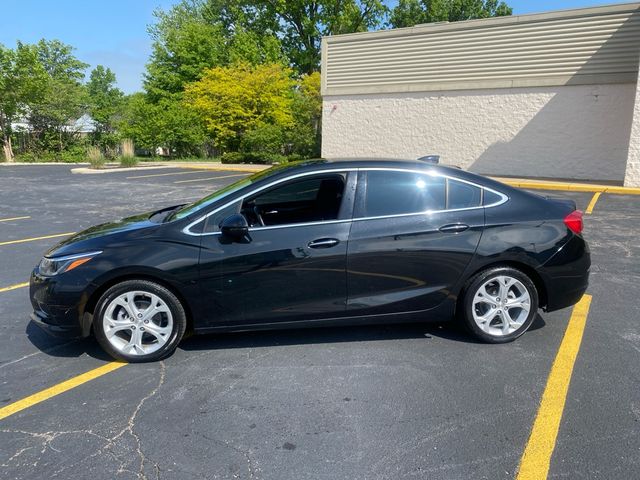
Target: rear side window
490 198
396 193
462 195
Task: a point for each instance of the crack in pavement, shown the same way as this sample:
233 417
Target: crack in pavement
110 442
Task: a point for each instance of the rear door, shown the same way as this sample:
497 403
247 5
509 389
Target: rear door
412 237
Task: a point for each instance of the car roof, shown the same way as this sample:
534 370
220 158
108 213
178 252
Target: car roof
392 163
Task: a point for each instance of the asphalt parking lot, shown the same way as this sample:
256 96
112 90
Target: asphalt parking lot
380 402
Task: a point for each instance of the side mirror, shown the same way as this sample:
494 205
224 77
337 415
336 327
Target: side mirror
235 227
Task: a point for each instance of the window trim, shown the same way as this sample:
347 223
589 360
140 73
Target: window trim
503 198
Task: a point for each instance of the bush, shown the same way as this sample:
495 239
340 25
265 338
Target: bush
265 139
262 158
96 159
128 161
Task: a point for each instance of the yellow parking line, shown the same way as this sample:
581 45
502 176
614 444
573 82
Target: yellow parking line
167 174
33 239
14 287
14 218
537 454
211 178
593 202
568 186
62 387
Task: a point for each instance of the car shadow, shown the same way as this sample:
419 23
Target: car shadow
61 347
451 331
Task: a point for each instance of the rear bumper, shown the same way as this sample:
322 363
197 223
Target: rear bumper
566 274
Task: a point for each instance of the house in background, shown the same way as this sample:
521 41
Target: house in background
544 95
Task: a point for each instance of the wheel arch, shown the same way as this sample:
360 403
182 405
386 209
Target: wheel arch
528 270
92 301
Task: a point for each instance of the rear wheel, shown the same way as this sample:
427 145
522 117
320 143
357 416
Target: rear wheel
500 304
139 321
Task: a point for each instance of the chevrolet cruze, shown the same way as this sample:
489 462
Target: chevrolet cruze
318 243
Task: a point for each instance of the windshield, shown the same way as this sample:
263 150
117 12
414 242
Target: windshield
225 191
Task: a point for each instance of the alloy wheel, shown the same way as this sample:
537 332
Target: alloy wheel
501 305
137 323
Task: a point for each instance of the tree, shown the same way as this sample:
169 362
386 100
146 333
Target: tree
198 34
105 103
303 23
236 99
412 12
22 80
165 123
62 99
304 137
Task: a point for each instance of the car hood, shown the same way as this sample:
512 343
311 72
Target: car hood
106 234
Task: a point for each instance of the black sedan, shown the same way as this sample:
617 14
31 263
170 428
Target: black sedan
318 243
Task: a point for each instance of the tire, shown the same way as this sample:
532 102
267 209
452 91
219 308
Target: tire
495 319
128 330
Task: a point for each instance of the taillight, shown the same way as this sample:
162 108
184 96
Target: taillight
574 221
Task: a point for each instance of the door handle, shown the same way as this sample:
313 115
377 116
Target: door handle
324 243
454 228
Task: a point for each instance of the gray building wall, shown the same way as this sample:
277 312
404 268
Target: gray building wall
548 95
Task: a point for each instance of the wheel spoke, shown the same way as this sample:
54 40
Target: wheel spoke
135 342
117 328
161 333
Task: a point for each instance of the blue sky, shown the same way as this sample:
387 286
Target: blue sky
114 32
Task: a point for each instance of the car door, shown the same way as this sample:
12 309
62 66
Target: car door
412 237
292 265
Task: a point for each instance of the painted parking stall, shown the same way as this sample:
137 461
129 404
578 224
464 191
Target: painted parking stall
381 402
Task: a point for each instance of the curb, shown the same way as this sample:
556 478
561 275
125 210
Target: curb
93 171
229 167
568 187
218 167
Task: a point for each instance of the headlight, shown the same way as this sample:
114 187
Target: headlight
53 266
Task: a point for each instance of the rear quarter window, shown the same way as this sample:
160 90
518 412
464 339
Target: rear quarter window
463 195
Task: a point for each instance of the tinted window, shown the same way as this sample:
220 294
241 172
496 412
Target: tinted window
300 201
393 193
463 195
489 198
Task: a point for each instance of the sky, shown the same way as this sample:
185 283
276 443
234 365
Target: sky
113 33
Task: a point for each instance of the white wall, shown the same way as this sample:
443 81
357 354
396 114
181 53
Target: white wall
573 132
632 178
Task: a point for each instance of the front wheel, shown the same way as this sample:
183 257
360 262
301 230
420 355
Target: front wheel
500 304
139 321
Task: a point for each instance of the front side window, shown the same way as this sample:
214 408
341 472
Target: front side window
396 193
308 199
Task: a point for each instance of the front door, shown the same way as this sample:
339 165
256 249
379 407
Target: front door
292 265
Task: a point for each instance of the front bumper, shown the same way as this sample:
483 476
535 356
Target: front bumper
57 307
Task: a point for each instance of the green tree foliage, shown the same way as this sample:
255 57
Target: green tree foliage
162 124
412 12
62 100
240 98
105 99
105 105
22 83
198 34
303 23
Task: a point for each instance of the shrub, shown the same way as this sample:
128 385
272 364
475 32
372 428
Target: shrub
128 161
126 148
264 139
96 159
